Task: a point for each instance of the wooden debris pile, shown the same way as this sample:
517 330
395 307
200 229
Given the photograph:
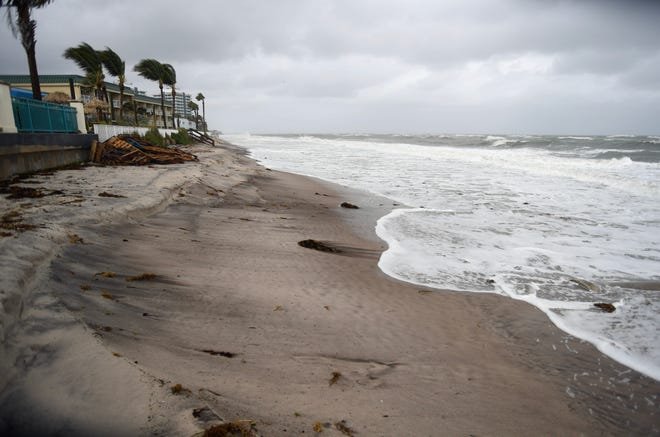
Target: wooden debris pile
127 150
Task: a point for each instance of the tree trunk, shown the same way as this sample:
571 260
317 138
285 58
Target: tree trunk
135 108
26 28
173 107
162 106
204 113
112 105
121 103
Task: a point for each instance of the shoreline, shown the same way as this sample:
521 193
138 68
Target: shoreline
231 279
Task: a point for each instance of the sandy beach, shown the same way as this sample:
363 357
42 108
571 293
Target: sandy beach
188 303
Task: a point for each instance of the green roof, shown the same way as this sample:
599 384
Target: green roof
24 79
44 78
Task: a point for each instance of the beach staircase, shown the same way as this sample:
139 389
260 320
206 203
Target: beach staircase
201 137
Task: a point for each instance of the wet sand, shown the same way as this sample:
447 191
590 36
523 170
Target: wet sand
254 327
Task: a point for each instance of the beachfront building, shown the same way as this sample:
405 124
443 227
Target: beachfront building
138 106
181 101
182 112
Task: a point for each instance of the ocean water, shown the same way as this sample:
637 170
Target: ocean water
561 222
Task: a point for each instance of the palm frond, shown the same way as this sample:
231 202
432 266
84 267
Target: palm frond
114 65
150 69
169 77
85 57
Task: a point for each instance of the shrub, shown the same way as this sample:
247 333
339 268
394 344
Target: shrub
154 137
182 137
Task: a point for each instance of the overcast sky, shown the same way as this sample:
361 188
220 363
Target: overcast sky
413 66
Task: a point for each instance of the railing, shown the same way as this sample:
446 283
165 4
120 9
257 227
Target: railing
36 116
200 137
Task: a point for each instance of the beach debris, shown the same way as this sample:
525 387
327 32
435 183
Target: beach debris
327 307
317 427
318 245
75 239
178 389
106 194
85 287
107 295
221 353
605 307
142 277
127 150
297 414
237 428
335 378
22 192
278 308
5 234
423 292
116 354
13 221
106 274
344 429
205 414
349 205
585 285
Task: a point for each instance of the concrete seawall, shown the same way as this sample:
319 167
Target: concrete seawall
22 153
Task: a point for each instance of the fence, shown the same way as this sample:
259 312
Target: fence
40 117
105 131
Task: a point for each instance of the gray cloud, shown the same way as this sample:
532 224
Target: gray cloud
375 65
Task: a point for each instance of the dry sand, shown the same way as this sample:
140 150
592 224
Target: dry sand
254 327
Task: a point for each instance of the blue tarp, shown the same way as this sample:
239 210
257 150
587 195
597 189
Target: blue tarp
27 94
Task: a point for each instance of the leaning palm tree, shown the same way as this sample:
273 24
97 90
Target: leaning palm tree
151 69
89 61
115 67
26 26
195 108
200 97
170 79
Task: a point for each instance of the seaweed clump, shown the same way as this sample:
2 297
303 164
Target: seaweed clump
237 428
142 277
335 378
13 221
605 307
318 245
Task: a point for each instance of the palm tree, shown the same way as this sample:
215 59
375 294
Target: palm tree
26 26
195 108
132 106
151 69
200 97
170 79
115 67
89 61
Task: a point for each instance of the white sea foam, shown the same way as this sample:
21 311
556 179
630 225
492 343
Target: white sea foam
522 222
576 138
499 141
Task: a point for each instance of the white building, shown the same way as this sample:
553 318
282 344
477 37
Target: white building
180 103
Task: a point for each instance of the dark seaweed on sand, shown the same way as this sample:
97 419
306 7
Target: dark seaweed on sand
318 245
